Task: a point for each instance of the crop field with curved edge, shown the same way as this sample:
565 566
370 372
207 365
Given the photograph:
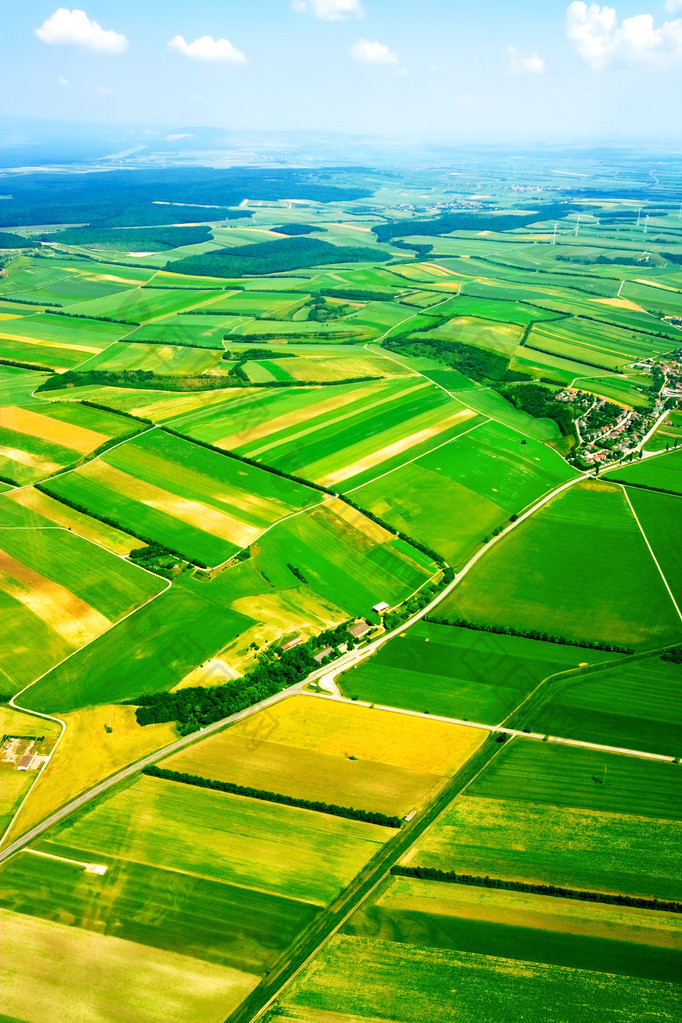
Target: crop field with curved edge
340 581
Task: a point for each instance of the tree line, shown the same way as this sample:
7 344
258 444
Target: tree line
450 877
544 637
369 816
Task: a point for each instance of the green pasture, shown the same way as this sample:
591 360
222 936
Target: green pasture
622 390
664 472
636 705
164 908
553 774
225 838
529 828
459 673
667 435
367 979
489 334
150 651
492 404
660 516
578 568
523 927
481 477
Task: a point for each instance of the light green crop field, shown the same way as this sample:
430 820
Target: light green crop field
636 706
492 404
17 385
664 472
481 333
481 477
579 568
58 593
145 304
524 927
224 838
459 673
58 342
358 979
595 342
623 391
191 499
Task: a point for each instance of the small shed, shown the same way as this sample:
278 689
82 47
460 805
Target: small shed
381 607
323 653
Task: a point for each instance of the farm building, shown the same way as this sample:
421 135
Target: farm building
381 607
323 653
359 630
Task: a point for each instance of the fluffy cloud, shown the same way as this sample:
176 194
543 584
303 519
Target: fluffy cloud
64 82
74 28
207 48
329 10
519 65
673 5
372 53
601 39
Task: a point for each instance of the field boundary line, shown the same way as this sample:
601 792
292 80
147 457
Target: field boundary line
651 552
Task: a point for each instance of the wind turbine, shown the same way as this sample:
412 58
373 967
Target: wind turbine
646 222
554 236
639 214
577 225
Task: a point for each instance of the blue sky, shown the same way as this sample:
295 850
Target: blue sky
492 70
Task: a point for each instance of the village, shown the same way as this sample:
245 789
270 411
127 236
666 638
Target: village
609 432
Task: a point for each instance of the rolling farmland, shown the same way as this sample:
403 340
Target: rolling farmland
332 491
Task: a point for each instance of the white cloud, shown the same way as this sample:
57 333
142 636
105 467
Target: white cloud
106 90
208 48
329 10
74 28
601 39
372 53
519 65
64 82
672 5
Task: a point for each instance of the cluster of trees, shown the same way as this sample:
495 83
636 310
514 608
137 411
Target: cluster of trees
449 876
26 365
296 229
197 706
538 401
486 220
145 379
297 573
9 240
370 816
392 619
293 339
674 655
142 239
150 197
157 558
273 257
510 630
321 311
475 363
252 354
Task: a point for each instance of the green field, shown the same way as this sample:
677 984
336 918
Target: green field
58 592
156 358
660 517
145 304
664 472
193 500
223 838
636 705
523 927
367 979
578 568
481 477
459 673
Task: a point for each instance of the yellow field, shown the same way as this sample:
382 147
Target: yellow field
305 773
17 722
78 438
86 754
55 972
69 616
218 523
30 460
49 344
345 730
61 515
